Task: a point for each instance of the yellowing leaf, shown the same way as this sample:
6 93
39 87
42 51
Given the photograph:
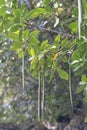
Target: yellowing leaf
60 10
55 56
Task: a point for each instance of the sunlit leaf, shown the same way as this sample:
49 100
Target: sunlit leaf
17 32
14 27
32 52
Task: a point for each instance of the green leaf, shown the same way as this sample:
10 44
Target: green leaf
16 45
76 55
51 76
62 73
20 36
85 98
14 35
84 6
46 2
17 20
2 10
47 5
75 12
86 119
33 41
34 33
40 10
44 45
14 27
19 52
25 34
2 2
80 89
17 13
34 13
73 26
84 78
32 52
57 39
78 67
8 22
64 42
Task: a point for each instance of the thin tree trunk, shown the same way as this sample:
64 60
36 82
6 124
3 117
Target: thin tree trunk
39 96
43 99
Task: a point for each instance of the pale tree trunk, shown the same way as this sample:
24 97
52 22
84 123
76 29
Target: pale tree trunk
43 98
39 96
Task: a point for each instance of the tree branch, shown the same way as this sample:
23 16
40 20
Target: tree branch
50 30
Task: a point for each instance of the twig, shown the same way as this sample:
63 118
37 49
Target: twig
50 30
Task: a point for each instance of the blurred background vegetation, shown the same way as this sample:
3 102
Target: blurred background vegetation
43 61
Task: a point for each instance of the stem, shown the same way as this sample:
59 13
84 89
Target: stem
23 75
70 84
79 17
39 95
43 99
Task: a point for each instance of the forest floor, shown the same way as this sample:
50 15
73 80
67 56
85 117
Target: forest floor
76 122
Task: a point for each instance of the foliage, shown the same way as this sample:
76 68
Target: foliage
45 34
